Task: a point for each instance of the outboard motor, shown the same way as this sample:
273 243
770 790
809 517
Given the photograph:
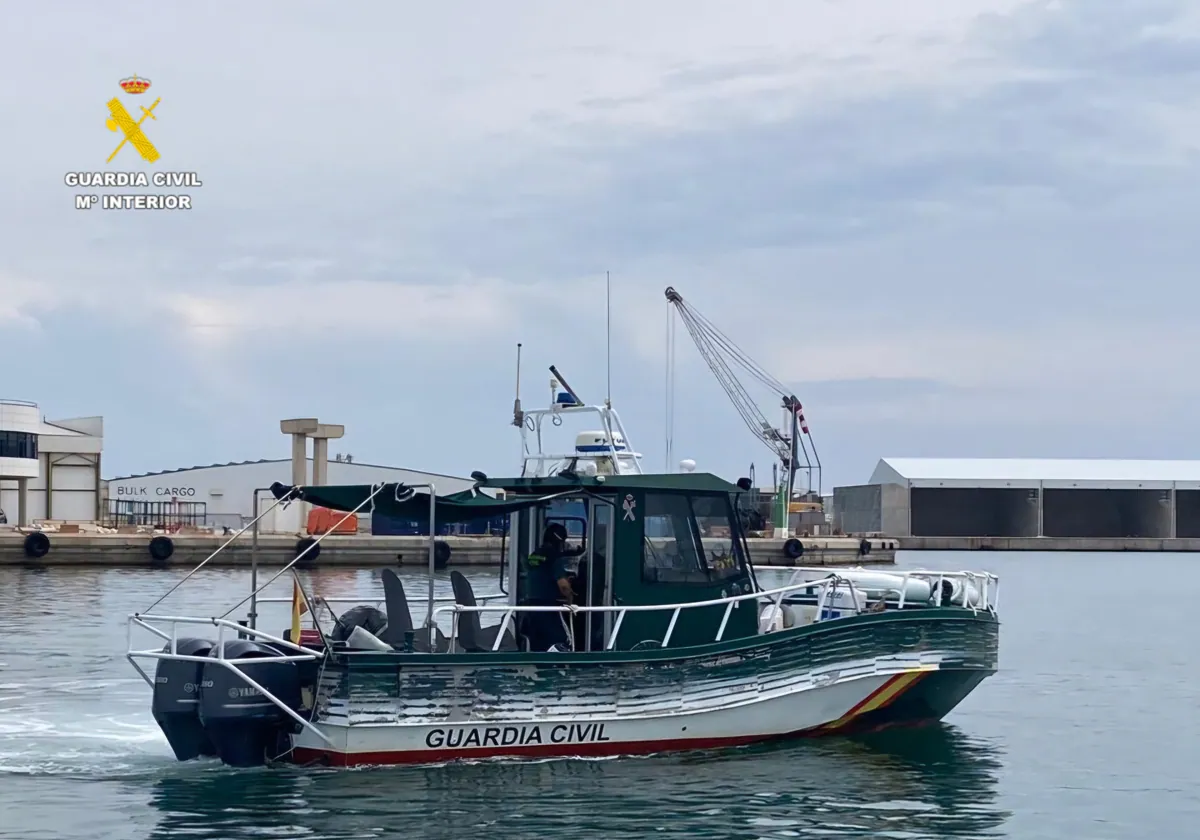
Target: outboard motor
243 725
176 703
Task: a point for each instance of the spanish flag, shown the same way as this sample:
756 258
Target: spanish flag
299 607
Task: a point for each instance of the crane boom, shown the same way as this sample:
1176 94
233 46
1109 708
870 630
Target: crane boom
792 444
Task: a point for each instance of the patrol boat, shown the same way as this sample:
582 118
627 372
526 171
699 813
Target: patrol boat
674 644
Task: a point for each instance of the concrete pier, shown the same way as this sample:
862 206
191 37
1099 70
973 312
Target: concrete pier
1047 544
130 550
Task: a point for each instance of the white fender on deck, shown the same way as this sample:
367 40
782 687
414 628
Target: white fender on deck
965 593
918 590
361 639
885 584
772 619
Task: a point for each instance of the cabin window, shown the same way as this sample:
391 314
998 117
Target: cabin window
716 535
571 513
689 540
669 552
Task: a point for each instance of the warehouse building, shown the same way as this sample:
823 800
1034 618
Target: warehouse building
49 469
1002 497
224 494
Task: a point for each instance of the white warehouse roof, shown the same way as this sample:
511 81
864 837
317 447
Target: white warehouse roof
230 488
1055 473
350 469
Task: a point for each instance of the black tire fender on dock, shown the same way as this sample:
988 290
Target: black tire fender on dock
313 553
864 547
793 548
441 554
37 545
161 548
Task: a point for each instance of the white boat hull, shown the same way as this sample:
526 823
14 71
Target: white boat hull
786 713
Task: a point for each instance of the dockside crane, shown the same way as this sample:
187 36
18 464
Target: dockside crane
792 443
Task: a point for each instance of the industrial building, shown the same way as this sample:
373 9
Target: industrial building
1002 497
223 494
49 469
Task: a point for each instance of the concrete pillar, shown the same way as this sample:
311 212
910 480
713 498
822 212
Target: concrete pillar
100 504
301 429
1172 526
49 488
321 436
22 502
299 459
1041 528
320 461
908 509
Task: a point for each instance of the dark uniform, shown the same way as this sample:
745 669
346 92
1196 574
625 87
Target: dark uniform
544 569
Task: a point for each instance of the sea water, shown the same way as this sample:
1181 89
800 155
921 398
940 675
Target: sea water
1091 729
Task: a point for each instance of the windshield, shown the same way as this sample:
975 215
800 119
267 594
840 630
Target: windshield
689 540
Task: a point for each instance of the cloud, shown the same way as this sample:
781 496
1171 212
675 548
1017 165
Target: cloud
357 309
918 215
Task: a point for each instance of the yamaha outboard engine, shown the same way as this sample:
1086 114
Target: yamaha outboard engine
244 726
176 703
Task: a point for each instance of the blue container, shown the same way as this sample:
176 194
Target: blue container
390 526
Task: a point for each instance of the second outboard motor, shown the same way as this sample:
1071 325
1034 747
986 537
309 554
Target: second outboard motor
245 726
176 703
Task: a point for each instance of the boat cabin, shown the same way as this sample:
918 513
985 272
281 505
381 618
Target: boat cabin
648 541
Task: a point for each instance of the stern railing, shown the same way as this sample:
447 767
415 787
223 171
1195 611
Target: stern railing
223 625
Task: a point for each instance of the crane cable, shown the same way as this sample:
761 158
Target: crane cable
715 348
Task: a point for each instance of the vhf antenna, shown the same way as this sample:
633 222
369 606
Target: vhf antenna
608 333
518 414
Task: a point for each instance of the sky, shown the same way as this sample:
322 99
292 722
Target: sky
953 228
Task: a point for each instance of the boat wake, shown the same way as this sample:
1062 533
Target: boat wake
86 746
56 730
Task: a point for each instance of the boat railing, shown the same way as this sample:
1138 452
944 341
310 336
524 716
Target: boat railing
509 611
225 628
624 458
370 599
986 584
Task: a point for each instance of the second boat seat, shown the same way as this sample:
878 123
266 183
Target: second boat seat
471 635
400 619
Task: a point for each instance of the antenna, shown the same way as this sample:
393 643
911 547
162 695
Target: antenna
608 333
518 414
669 388
559 378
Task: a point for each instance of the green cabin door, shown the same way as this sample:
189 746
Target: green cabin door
671 547
598 626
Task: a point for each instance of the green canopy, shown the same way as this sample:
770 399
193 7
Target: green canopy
401 502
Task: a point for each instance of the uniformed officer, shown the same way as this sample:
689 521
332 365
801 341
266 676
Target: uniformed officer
548 584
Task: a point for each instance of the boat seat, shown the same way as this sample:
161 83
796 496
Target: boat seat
471 635
399 619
